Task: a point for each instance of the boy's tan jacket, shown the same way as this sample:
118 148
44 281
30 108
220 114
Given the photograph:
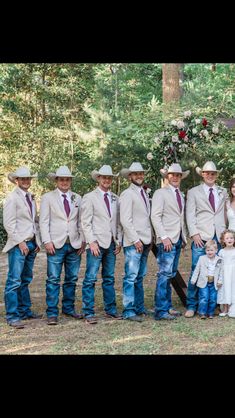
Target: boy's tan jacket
200 217
55 226
166 217
96 222
135 217
201 272
17 220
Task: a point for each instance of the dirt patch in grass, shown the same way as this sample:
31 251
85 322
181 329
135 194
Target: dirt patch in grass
183 336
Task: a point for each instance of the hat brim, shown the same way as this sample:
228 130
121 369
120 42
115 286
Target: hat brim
95 174
12 177
164 172
199 171
53 176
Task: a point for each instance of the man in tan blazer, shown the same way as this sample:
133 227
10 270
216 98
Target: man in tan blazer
103 235
137 239
21 223
63 240
167 217
205 215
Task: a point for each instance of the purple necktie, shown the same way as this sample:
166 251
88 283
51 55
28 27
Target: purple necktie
212 198
143 196
178 199
29 203
66 205
106 199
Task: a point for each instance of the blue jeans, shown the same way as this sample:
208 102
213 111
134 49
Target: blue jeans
207 299
68 257
107 259
133 290
192 291
168 264
20 275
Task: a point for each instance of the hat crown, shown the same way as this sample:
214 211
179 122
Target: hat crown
105 170
135 167
175 168
22 172
209 166
63 171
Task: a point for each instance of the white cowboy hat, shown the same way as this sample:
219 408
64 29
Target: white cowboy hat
105 170
208 166
174 168
20 172
62 171
134 168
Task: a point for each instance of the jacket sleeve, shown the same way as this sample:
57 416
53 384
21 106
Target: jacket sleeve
44 219
82 236
196 272
157 213
126 217
119 226
86 219
191 214
9 219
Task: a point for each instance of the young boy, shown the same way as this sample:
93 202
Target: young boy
208 275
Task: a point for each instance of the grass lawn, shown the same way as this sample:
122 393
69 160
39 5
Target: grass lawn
182 336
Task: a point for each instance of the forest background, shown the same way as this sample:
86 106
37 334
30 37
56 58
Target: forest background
87 115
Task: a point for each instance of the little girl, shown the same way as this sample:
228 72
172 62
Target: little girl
226 295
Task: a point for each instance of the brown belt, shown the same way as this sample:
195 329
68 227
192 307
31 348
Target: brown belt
210 279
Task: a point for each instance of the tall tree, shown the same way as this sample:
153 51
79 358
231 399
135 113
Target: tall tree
171 75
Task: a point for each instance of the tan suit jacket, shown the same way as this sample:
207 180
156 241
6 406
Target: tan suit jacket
200 217
55 226
135 217
17 220
201 272
166 217
96 222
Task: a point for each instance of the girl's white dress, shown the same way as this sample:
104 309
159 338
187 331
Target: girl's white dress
226 293
231 216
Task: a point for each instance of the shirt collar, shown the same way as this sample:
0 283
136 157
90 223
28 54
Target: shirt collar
207 188
103 193
174 188
61 193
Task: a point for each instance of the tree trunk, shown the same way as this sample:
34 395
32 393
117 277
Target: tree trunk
171 74
213 67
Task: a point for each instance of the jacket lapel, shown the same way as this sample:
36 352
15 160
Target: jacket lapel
133 187
59 202
102 202
21 196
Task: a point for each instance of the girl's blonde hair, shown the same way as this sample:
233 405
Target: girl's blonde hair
211 243
226 231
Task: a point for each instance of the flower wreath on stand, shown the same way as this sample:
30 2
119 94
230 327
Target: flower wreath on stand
182 135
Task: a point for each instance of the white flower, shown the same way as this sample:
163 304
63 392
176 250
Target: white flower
149 156
156 140
215 129
174 122
187 114
186 139
180 124
197 121
204 132
194 131
148 190
175 138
